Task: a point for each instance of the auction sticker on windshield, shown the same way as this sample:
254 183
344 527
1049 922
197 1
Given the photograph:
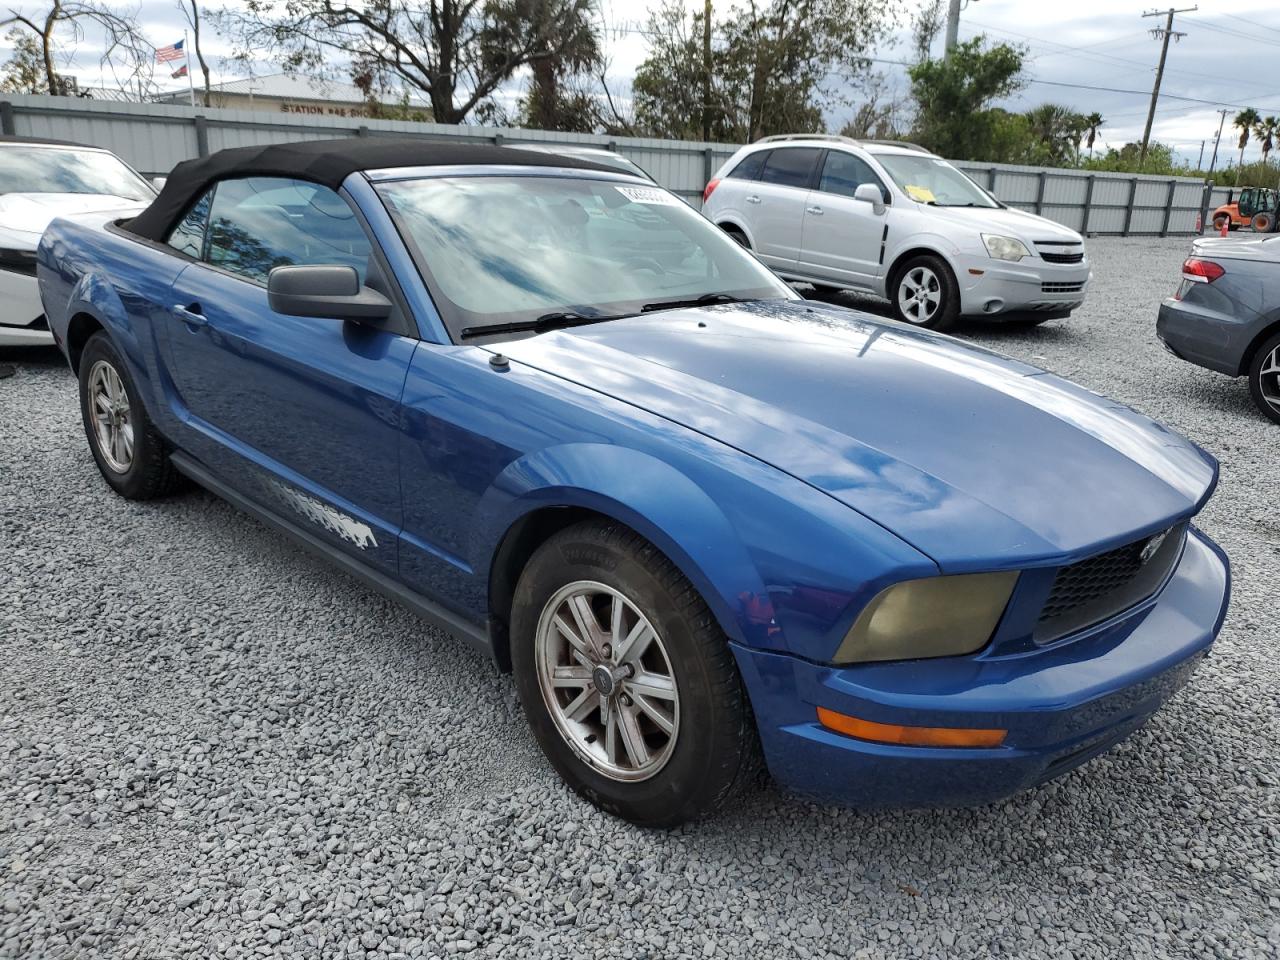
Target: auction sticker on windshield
648 195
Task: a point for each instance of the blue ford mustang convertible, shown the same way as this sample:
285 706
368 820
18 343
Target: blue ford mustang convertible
705 523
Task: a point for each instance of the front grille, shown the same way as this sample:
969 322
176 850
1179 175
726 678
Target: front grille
1048 257
1053 287
1099 587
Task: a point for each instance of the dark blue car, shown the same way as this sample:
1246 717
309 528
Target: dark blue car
704 522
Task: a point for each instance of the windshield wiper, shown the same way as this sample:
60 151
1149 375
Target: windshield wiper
556 320
701 301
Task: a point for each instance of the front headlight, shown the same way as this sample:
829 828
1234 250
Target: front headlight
933 617
1005 248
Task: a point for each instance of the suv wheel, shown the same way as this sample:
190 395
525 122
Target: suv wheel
129 451
925 294
626 679
1264 378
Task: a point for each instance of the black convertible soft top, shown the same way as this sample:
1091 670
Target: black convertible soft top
327 162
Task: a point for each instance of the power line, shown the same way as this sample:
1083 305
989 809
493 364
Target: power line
1252 23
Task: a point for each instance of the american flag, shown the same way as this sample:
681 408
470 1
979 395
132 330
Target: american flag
180 72
174 52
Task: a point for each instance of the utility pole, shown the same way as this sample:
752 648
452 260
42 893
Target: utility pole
1207 194
953 28
706 72
1200 162
1160 34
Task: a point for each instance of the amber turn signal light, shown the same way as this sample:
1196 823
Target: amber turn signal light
909 736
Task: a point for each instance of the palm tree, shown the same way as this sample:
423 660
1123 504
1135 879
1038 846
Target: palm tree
1265 131
1093 123
1245 121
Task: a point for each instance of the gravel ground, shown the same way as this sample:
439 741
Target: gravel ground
213 746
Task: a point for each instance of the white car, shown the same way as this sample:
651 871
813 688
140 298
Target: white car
895 220
41 180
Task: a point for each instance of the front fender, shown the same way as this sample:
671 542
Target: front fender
653 498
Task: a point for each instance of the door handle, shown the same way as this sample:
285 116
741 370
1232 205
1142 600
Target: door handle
816 211
753 199
190 314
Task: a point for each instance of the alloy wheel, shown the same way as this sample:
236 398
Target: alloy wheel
112 417
919 295
607 681
1269 379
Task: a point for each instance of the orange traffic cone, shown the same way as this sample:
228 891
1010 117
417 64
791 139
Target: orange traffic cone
1199 225
1226 225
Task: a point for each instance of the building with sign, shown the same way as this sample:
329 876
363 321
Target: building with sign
299 96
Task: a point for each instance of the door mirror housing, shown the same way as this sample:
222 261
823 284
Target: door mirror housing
325 291
870 193
159 182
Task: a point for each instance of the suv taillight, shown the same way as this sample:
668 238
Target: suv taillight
1201 271
706 194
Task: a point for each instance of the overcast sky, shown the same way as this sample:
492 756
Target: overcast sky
1228 57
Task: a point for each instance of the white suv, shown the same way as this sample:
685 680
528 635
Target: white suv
893 219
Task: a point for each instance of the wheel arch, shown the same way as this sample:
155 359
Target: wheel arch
915 250
730 224
624 486
80 328
1263 335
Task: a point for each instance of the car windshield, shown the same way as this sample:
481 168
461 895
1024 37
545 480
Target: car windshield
502 250
933 181
59 170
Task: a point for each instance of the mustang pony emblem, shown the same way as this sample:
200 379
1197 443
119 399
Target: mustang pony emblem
1152 547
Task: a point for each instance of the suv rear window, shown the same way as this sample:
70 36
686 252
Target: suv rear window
790 167
750 166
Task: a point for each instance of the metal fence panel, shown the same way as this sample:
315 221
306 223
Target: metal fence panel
155 137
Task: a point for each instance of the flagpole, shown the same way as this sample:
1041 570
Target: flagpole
190 83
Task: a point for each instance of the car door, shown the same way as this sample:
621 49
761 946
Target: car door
299 413
777 200
843 237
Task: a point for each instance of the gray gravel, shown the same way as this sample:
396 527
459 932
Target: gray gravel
213 746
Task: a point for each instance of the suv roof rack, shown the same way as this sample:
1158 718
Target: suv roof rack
807 136
837 138
898 143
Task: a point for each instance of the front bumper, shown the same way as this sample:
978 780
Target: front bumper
1061 705
1002 289
21 313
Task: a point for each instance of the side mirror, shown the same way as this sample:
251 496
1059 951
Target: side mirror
324 291
159 182
870 193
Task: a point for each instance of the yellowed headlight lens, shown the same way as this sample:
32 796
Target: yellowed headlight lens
934 617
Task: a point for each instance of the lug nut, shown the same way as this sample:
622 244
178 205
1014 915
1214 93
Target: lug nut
607 650
625 700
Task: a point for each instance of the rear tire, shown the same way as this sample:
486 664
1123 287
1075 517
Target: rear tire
130 453
1264 378
924 293
1222 220
698 745
1263 222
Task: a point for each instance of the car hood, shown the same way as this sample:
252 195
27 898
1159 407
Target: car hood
24 216
974 459
1264 249
1006 222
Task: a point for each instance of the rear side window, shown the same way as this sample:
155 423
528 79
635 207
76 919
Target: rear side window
750 166
790 167
259 223
188 235
843 173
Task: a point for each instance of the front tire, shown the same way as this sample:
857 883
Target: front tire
925 294
1264 378
129 451
627 680
1263 222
